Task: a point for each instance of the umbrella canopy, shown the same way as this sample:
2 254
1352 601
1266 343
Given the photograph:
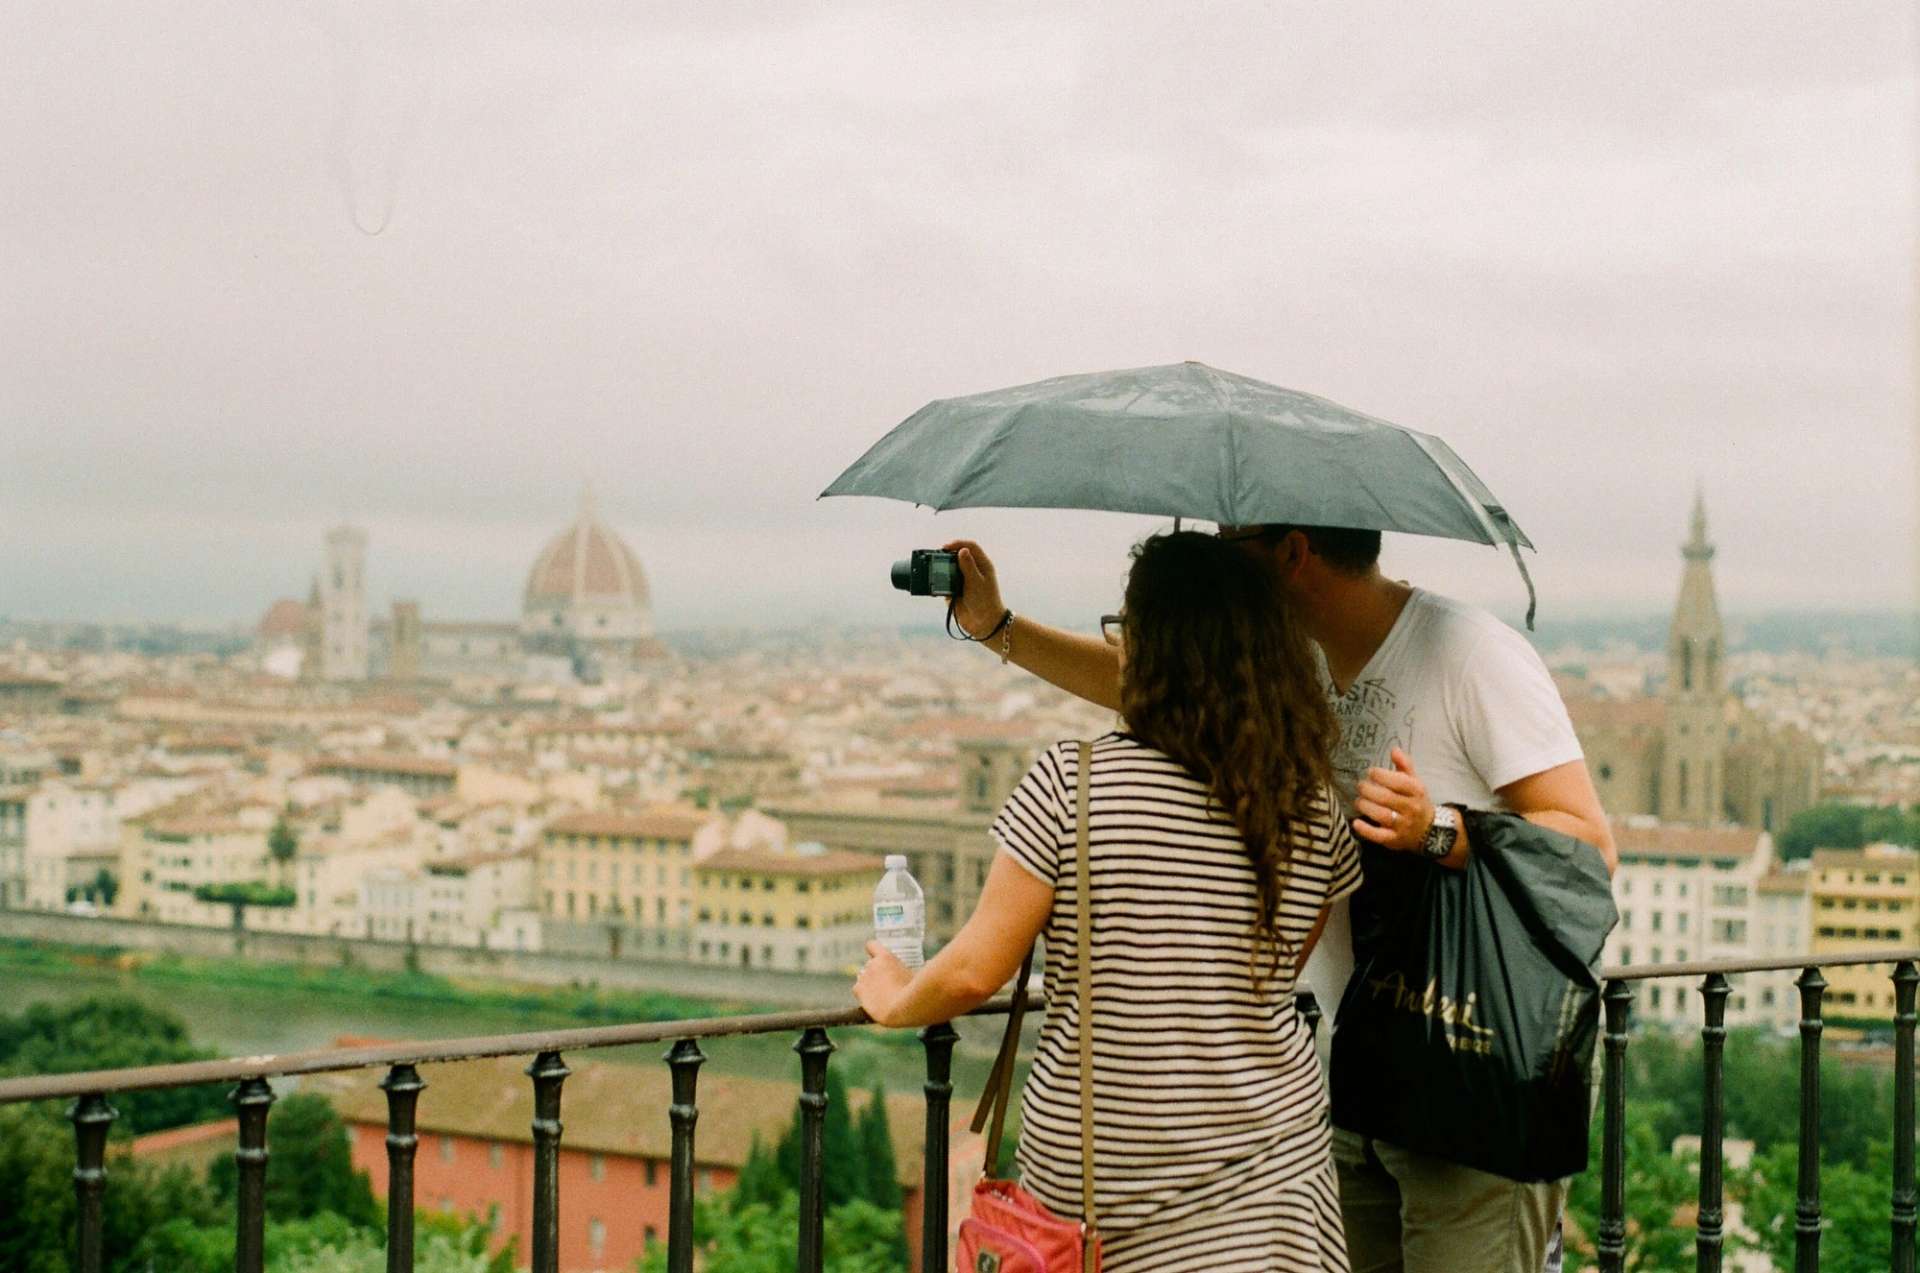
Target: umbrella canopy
1183 440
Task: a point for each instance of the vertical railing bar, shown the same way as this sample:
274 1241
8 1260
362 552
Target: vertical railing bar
92 1118
548 1072
939 1041
1710 1238
684 1059
1806 1211
253 1098
403 1086
1611 1243
814 1047
1906 1200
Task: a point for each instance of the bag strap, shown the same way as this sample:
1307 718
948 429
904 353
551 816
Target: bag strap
1084 905
993 1101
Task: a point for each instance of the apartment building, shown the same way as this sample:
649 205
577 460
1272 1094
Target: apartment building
808 909
623 881
1864 900
944 837
1684 894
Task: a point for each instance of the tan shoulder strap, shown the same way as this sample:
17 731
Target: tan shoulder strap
1083 897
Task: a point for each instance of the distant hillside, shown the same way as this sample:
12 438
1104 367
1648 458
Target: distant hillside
1873 634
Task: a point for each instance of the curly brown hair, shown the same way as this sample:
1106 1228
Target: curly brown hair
1219 675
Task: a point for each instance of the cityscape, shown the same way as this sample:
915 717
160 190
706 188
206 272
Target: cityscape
466 778
568 799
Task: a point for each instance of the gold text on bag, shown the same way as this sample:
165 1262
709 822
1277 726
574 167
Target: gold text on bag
1465 1035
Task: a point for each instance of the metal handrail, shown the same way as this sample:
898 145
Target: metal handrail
92 1115
44 1087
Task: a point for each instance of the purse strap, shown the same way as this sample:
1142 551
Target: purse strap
1089 1244
993 1101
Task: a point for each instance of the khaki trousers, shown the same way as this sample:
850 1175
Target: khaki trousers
1409 1213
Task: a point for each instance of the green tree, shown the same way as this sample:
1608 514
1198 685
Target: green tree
38 1213
1658 1185
1856 1237
760 1181
844 1176
111 1032
282 843
310 1169
106 886
1848 826
759 1238
876 1154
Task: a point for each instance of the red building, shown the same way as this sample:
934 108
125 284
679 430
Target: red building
476 1148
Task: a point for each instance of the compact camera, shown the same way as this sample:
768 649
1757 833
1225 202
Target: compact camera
930 572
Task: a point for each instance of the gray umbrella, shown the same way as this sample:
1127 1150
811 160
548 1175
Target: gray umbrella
1183 440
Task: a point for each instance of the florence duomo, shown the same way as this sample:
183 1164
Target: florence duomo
1693 754
586 612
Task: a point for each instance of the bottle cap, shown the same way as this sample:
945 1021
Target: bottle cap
896 861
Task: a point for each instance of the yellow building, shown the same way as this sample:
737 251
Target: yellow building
806 910
1864 900
623 881
943 837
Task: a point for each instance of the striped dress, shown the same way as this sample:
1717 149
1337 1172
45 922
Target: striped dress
1211 1133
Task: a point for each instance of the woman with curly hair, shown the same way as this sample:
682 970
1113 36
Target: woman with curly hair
1216 847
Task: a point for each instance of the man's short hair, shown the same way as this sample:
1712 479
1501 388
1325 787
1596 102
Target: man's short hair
1346 549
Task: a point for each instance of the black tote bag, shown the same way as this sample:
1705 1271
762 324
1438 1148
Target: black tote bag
1468 1029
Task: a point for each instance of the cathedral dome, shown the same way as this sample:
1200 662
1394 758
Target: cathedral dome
587 584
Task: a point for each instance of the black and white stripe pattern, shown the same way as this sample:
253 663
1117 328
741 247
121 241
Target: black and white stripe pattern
1210 1113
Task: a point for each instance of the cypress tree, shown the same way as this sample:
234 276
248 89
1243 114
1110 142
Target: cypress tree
845 1176
876 1154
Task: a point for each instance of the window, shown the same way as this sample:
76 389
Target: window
1680 922
597 1237
1657 917
653 1173
652 1235
597 1166
446 1149
496 1156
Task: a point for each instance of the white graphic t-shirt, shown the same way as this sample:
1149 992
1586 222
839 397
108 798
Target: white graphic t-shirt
1470 702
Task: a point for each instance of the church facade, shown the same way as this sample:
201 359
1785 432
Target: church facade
1694 755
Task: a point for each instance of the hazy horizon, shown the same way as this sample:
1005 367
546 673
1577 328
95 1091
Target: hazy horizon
430 268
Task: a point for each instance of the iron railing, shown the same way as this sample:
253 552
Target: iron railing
92 1116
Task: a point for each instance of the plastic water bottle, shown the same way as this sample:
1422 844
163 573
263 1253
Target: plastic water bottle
900 913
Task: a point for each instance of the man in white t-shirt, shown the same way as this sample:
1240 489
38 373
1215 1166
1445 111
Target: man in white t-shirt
1440 705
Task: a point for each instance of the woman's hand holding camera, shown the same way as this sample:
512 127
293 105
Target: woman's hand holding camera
979 606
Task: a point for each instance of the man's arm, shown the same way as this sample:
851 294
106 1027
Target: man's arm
1396 813
1081 665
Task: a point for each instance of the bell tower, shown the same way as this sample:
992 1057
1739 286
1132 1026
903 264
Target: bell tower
1693 764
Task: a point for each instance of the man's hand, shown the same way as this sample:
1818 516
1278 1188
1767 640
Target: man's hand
1394 809
979 607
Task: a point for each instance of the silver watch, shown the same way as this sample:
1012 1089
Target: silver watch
1443 834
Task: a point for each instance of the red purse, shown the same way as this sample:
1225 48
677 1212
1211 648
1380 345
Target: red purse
1010 1230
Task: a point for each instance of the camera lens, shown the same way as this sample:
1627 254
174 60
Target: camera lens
903 575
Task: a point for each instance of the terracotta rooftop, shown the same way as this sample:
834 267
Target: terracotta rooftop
614 1109
767 862
1616 713
1665 839
650 824
387 762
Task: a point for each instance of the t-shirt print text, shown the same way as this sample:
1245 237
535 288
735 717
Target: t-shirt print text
1371 726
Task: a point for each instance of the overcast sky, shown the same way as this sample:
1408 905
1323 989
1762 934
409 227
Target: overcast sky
430 267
